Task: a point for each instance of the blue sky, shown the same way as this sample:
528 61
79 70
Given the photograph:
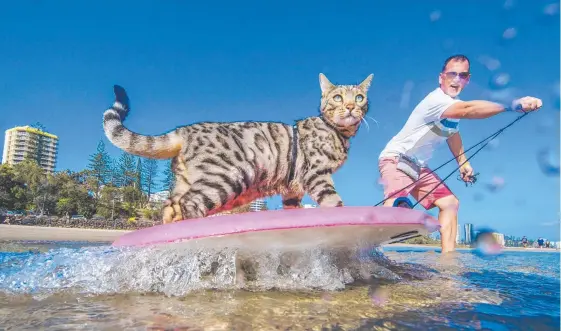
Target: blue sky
184 62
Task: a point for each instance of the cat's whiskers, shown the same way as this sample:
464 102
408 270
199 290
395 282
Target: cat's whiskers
372 118
367 125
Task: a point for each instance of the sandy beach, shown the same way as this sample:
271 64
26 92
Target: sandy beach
40 233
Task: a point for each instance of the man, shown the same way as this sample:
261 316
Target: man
403 162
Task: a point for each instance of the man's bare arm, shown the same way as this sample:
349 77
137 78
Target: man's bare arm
478 109
457 147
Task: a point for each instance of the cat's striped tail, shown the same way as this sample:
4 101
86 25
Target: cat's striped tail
156 147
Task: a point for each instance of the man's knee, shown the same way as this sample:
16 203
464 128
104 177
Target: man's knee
449 203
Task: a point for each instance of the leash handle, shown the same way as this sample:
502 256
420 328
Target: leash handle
471 179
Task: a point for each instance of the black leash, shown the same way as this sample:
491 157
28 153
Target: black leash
473 178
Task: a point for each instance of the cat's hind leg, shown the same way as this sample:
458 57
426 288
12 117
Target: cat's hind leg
210 189
291 200
172 210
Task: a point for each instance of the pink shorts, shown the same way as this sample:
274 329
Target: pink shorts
395 180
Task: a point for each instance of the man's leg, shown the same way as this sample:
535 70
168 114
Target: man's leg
393 181
447 204
448 218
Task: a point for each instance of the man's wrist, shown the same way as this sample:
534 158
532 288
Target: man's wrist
514 106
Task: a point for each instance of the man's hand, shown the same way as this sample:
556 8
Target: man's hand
466 172
527 104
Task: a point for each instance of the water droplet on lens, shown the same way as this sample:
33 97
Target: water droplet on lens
496 184
556 96
505 95
544 126
379 296
499 81
551 10
486 243
509 33
435 15
493 144
508 4
489 62
549 165
478 197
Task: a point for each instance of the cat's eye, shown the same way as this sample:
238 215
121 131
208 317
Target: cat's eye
359 98
338 98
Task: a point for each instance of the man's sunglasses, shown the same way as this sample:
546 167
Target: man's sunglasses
452 74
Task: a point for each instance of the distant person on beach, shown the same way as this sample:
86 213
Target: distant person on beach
403 162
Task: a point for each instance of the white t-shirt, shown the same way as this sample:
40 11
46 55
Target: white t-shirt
424 129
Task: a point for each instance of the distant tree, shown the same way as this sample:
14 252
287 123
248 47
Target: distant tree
139 173
150 167
32 176
12 189
126 174
109 204
114 172
168 182
100 168
72 196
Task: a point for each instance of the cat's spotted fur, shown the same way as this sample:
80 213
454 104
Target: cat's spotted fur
219 166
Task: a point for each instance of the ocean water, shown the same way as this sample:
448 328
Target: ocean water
64 286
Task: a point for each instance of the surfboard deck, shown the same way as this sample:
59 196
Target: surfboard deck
290 229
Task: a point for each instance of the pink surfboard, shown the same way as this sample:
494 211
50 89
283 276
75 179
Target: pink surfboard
290 229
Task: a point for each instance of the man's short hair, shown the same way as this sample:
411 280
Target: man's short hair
455 57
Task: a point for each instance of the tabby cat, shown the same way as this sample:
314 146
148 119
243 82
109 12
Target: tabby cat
219 166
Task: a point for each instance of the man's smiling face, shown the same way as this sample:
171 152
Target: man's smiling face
454 77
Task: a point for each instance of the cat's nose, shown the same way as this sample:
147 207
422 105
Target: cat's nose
350 106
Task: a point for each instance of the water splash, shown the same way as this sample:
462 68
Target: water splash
176 272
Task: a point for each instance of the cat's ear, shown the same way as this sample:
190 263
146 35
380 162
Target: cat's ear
325 84
365 85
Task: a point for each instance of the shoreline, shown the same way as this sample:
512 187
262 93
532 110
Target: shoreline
41 233
510 249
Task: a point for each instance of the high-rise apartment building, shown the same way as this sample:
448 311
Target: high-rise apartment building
27 142
468 233
257 205
458 231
